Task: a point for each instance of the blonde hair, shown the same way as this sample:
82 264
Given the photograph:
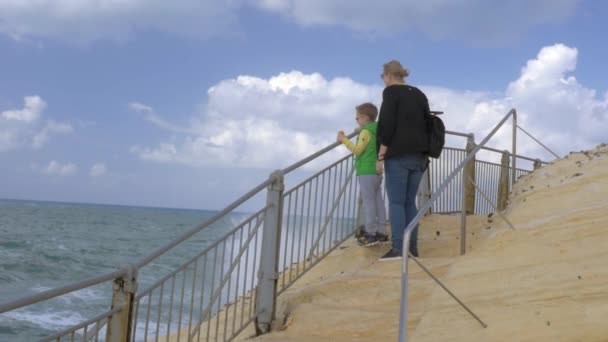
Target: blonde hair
368 109
395 69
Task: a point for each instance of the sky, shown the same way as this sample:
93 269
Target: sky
192 103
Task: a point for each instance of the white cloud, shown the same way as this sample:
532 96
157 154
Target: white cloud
254 122
33 107
477 20
150 115
25 127
51 127
140 107
55 168
551 105
270 123
86 20
98 170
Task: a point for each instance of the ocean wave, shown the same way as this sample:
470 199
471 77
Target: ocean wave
49 320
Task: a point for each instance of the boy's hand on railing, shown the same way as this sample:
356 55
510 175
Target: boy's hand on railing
357 129
340 136
380 166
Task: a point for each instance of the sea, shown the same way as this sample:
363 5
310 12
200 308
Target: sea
45 245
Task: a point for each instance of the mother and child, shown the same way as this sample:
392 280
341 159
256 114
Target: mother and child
395 145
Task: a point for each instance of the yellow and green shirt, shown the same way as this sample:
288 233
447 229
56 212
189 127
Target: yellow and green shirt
364 150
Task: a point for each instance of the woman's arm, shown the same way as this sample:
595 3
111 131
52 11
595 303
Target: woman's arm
387 121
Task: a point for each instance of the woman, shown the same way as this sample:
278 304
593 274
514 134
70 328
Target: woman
403 142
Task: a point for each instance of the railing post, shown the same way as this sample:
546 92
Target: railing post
469 173
123 293
514 148
265 304
503 181
468 194
537 164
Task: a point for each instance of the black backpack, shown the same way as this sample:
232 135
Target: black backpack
436 133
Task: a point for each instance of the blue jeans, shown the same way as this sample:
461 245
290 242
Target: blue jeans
403 176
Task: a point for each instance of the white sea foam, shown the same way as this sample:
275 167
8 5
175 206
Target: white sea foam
52 320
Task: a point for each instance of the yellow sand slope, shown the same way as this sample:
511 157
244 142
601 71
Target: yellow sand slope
547 281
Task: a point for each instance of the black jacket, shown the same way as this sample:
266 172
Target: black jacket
402 124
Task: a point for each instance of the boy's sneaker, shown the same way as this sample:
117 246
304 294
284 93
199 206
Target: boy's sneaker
393 254
360 232
382 238
367 240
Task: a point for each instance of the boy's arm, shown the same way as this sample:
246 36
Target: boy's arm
364 139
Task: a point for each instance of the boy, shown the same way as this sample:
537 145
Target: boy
370 180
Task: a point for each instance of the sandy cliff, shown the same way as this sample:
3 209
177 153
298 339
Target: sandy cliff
546 281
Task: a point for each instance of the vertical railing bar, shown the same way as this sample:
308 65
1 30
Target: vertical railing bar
246 273
200 307
97 329
211 291
307 224
486 178
237 282
193 294
325 201
255 260
314 213
329 183
160 305
221 291
84 333
340 229
328 218
350 199
170 307
148 315
286 232
344 203
223 281
72 335
439 177
333 196
229 284
135 320
334 234
301 228
293 234
334 220
181 306
453 191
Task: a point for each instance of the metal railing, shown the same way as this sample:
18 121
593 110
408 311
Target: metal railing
493 175
215 294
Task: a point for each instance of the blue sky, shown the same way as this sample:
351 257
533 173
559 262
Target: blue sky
191 103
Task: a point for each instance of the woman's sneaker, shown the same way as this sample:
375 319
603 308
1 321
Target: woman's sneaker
393 254
367 240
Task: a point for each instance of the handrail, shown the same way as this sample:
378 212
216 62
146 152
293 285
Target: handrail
518 156
466 135
424 209
315 155
537 141
160 251
131 269
50 294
